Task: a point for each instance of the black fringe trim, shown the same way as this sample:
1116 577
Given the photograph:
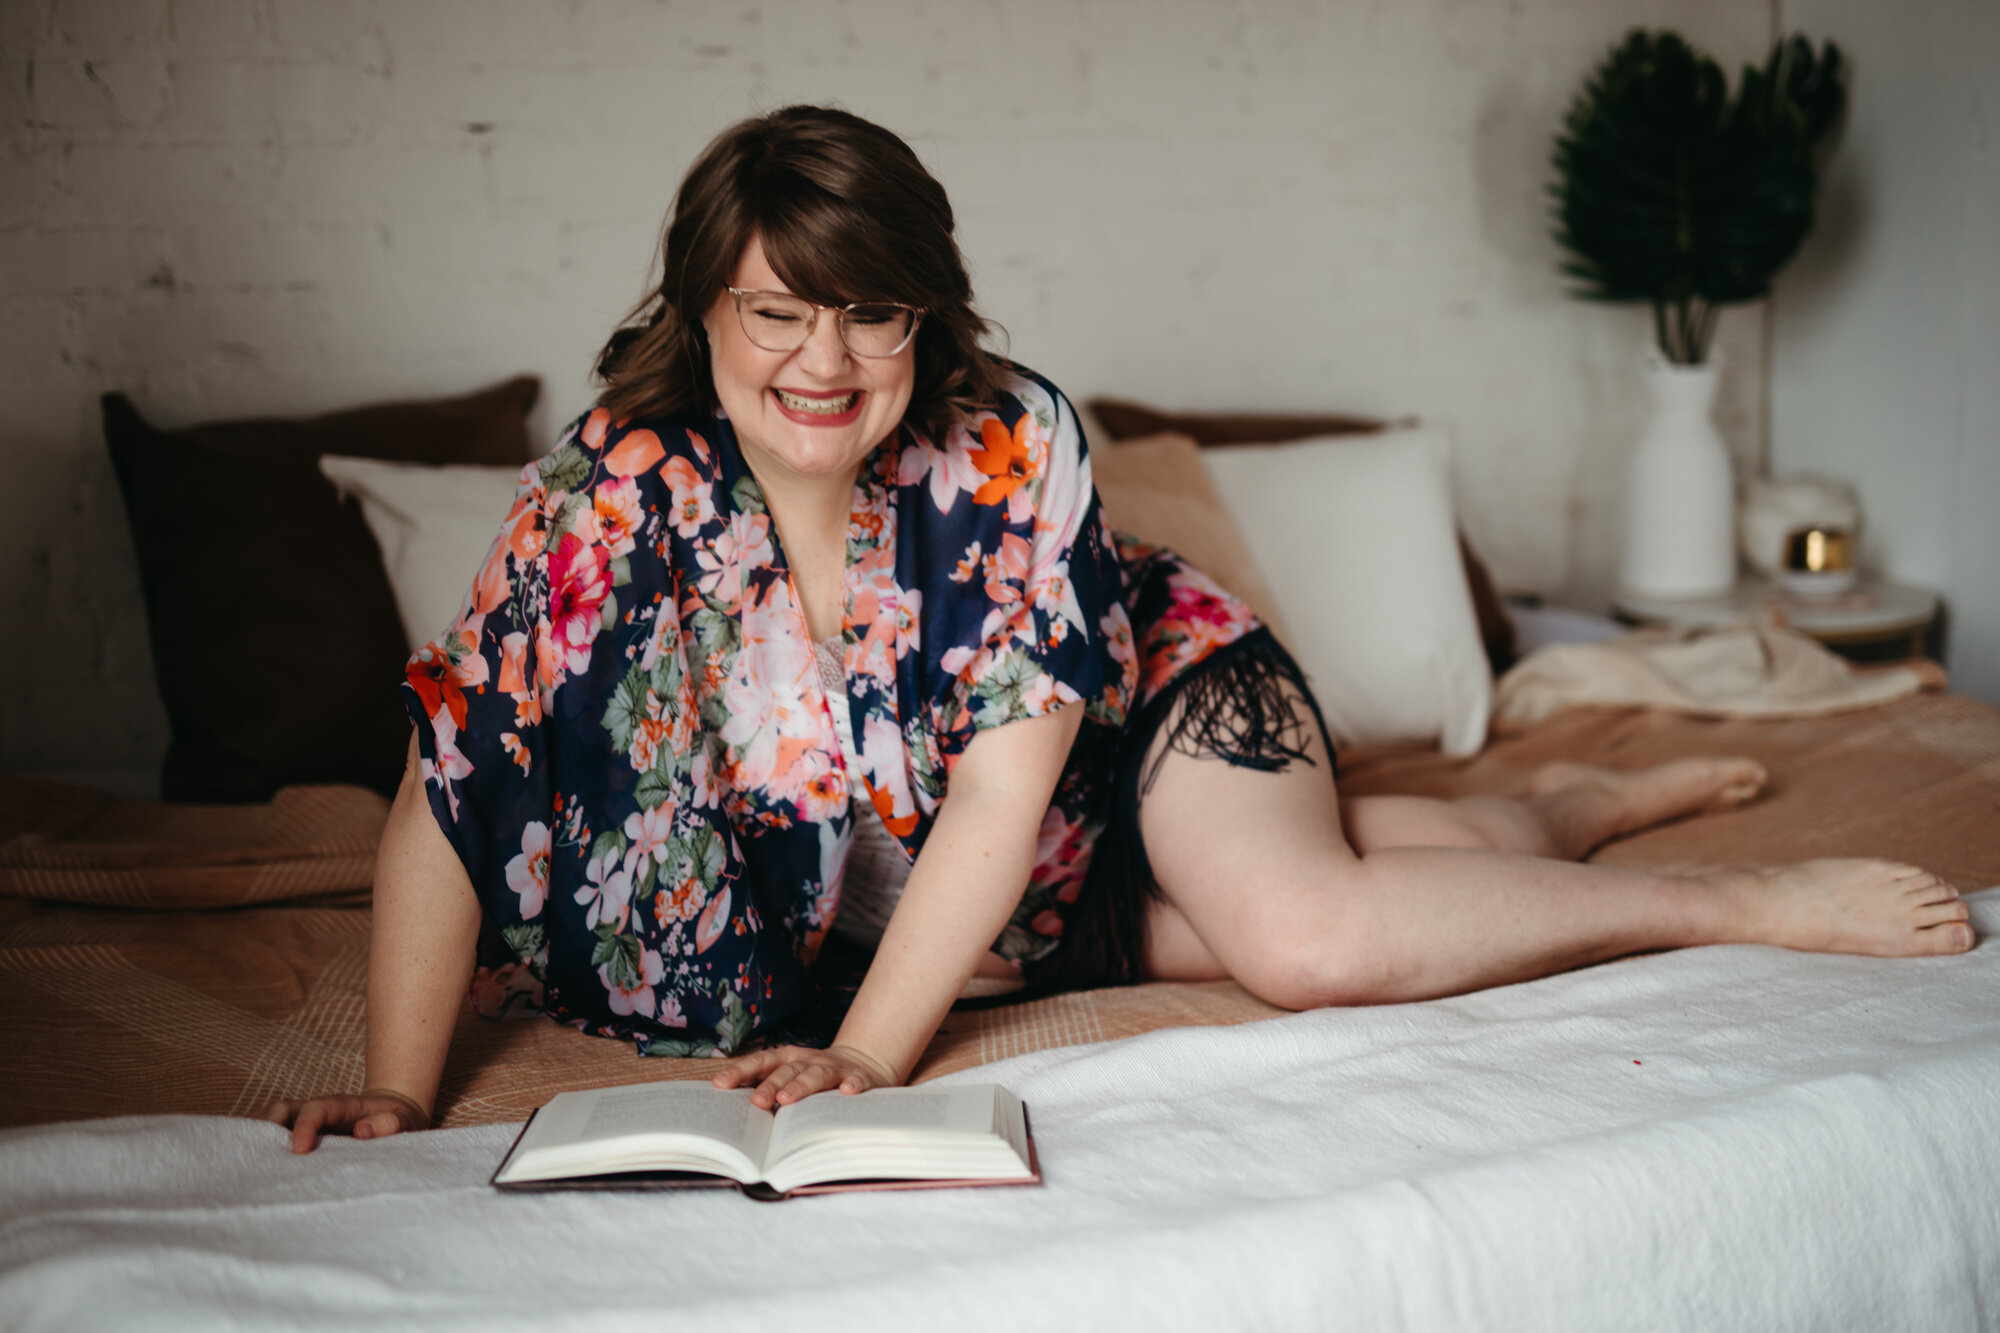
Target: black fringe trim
1234 706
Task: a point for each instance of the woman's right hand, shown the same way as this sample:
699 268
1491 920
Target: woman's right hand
373 1113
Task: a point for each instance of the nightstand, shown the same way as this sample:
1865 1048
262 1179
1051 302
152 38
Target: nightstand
1875 619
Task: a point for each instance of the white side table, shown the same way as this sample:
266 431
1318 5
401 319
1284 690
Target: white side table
1873 612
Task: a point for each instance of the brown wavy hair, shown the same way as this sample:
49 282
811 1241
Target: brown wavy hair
846 213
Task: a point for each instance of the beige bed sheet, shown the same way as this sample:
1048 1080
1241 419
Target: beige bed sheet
119 1009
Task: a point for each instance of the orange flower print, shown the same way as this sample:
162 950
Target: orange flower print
691 509
1008 460
619 516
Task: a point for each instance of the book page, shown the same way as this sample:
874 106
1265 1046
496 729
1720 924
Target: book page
677 1108
602 1129
962 1110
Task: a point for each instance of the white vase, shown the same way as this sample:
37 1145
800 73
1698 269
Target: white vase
1680 492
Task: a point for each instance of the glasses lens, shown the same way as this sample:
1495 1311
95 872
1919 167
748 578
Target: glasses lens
877 329
773 321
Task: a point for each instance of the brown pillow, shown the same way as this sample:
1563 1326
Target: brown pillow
65 843
275 638
1158 490
1123 420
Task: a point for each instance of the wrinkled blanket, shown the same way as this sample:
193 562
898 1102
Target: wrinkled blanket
1722 1138
1750 669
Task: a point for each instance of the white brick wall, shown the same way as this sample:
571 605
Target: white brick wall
226 207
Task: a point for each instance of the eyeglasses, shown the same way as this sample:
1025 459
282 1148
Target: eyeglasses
778 322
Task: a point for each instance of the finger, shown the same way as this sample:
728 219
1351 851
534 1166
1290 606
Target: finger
748 1068
810 1079
305 1130
766 1093
380 1125
281 1113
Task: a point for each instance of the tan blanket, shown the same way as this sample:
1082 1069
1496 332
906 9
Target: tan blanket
115 1010
1750 669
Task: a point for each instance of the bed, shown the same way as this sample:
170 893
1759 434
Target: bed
1716 1138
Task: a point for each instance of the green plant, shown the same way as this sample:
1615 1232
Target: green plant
1669 190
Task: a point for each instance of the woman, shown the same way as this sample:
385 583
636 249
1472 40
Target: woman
814 624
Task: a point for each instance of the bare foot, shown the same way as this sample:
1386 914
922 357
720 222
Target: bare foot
1873 907
1583 805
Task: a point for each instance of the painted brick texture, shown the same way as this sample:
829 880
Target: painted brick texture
228 207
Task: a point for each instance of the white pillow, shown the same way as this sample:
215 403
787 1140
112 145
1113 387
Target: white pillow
1356 539
434 524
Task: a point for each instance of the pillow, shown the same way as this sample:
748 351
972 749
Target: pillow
1356 535
275 638
1157 490
1118 420
434 525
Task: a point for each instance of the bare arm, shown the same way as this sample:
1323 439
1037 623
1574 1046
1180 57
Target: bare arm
421 948
964 886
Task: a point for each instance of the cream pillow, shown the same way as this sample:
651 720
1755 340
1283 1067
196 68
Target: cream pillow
434 525
1355 534
1158 490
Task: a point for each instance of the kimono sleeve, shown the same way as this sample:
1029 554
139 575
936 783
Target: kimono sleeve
476 696
1055 622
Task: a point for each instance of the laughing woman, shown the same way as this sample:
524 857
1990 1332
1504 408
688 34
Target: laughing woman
814 625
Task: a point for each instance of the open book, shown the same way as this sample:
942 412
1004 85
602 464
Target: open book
654 1135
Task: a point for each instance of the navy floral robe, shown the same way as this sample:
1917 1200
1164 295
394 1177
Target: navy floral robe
625 737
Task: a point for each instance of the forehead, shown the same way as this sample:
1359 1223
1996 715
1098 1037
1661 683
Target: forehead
753 271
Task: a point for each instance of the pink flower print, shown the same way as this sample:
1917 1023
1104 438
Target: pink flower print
743 546
636 997
670 1014
908 609
528 873
450 764
608 891
950 470
1006 568
647 833
825 791
1116 627
620 516
578 585
691 509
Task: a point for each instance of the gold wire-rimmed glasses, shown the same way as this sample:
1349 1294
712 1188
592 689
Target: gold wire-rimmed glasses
781 322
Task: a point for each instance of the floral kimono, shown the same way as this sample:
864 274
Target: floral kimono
625 737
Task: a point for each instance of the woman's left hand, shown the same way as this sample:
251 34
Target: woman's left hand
786 1074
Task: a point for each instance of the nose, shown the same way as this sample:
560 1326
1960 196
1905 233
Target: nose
823 355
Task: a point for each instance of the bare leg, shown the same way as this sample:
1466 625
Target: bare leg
1408 898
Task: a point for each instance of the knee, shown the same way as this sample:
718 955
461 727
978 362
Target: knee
1303 970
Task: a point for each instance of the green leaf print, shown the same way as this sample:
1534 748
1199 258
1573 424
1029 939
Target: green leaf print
680 1047
717 633
524 942
617 954
1003 691
609 618
707 850
610 847
735 1024
627 707
655 787
567 469
621 571
747 495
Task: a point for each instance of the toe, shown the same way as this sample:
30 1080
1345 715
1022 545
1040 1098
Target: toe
1953 938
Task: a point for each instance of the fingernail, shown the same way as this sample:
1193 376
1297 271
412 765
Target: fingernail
1962 936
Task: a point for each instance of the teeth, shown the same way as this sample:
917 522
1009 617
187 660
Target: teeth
819 407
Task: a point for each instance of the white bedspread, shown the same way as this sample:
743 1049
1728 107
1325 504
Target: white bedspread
1720 1138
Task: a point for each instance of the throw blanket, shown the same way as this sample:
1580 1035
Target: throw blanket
1750 669
1719 1138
